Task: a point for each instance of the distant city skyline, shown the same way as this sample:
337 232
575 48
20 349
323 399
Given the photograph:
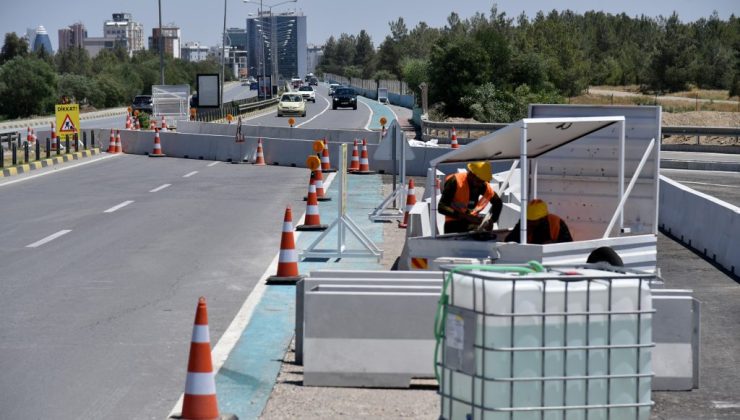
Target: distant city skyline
324 17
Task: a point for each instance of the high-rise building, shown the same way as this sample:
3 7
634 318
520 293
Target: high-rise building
123 28
236 51
38 38
282 37
313 57
193 51
72 36
237 38
170 39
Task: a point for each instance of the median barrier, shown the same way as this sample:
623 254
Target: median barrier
704 223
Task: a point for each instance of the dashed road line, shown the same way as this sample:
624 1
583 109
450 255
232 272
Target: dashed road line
189 174
328 105
212 164
119 206
48 238
160 188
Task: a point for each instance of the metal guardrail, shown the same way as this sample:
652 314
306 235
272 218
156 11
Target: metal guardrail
234 108
442 131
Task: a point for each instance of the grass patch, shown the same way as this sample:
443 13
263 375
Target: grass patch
669 105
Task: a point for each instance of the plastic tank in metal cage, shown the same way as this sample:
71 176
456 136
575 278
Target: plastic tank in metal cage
545 343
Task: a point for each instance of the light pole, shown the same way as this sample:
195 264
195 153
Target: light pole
273 39
223 56
161 45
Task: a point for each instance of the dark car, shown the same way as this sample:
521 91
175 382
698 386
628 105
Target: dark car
313 81
344 97
142 103
254 86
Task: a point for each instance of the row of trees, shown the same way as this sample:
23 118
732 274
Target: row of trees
559 53
32 82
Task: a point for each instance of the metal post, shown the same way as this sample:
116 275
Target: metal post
38 150
77 143
66 144
25 152
161 46
92 139
621 168
2 155
59 146
48 148
13 151
223 56
84 140
523 185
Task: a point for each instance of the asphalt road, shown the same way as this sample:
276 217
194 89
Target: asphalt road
320 115
722 185
97 322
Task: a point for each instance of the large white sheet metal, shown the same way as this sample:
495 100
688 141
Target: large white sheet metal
543 135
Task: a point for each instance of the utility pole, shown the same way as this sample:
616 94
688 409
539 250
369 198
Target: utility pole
223 56
161 46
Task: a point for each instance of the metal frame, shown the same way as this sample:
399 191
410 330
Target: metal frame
342 224
397 196
480 279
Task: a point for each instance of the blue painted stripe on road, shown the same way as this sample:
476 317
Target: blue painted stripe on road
379 110
246 379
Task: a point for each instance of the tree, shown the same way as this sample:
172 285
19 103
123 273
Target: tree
80 88
415 72
32 83
456 68
365 54
13 47
74 61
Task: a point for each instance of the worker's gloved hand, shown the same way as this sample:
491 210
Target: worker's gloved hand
473 219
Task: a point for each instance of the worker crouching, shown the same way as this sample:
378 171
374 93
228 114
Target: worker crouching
542 227
465 195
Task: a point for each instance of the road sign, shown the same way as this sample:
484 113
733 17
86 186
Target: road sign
68 119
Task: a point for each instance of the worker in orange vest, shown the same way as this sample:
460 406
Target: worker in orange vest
465 195
542 227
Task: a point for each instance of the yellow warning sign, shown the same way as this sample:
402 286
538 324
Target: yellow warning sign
68 118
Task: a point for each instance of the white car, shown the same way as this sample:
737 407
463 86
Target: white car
308 93
291 103
333 86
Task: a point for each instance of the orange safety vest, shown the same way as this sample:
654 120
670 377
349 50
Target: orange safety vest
462 195
554 222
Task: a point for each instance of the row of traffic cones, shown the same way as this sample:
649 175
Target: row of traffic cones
133 123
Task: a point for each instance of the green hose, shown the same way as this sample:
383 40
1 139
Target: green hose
441 314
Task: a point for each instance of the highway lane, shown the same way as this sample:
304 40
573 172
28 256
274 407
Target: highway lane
722 185
318 115
97 321
234 91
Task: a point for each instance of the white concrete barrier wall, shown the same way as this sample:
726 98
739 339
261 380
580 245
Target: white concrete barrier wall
702 222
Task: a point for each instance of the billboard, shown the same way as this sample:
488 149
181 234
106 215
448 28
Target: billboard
209 90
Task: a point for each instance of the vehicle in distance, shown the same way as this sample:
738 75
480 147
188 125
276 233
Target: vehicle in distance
308 93
344 97
332 87
142 103
296 82
313 81
291 104
254 85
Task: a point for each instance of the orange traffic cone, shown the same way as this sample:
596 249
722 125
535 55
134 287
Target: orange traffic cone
138 124
200 400
364 161
152 124
355 163
410 201
164 124
128 121
287 272
319 182
157 152
119 145
260 161
325 162
312 219
111 143
453 141
28 135
34 137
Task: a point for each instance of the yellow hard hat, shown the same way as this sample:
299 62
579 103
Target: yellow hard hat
536 209
482 170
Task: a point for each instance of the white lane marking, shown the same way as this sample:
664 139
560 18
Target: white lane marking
725 404
228 340
119 206
370 117
160 188
328 105
393 112
213 164
189 174
54 171
48 238
709 184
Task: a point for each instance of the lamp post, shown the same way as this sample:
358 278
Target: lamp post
223 56
273 39
161 45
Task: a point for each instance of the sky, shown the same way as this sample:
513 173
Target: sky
202 20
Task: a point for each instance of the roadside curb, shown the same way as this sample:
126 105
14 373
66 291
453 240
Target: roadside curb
28 167
699 165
